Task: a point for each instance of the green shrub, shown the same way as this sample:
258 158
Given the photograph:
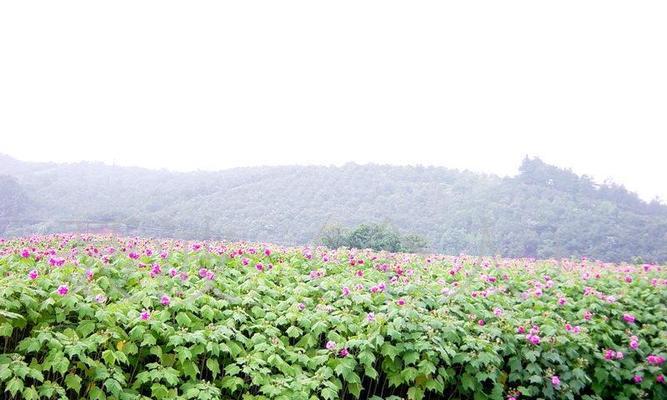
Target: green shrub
126 318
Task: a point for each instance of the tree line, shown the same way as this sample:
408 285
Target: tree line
542 212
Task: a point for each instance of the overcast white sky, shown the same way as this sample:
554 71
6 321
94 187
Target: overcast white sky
212 85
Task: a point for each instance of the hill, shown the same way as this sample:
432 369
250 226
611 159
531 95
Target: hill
542 212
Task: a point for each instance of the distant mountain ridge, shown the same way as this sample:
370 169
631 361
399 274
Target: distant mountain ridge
542 212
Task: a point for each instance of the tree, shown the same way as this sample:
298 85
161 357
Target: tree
12 201
371 236
334 236
376 237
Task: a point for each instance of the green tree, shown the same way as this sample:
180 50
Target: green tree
12 201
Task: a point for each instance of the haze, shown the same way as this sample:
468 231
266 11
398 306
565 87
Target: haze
210 85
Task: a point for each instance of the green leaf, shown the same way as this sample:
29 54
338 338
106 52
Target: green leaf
213 365
170 376
36 374
113 387
294 332
183 320
30 393
366 357
73 381
190 369
329 394
159 391
85 328
354 389
109 357
345 366
415 393
601 374
231 382
6 329
149 340
14 386
410 357
467 382
96 394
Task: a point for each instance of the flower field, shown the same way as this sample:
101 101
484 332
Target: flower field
93 316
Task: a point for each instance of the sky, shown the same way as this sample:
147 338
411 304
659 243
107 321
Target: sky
474 85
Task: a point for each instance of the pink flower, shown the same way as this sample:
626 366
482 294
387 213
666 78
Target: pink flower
400 302
634 343
555 380
63 290
165 300
25 253
301 306
638 378
370 317
533 339
660 378
245 261
588 315
145 314
562 301
56 261
609 354
480 322
619 355
267 252
33 274
155 270
655 360
259 267
521 330
343 352
89 274
331 345
497 311
629 318
346 291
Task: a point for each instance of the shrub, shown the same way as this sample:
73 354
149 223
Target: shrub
129 318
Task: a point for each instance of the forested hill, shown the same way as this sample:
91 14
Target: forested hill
542 212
